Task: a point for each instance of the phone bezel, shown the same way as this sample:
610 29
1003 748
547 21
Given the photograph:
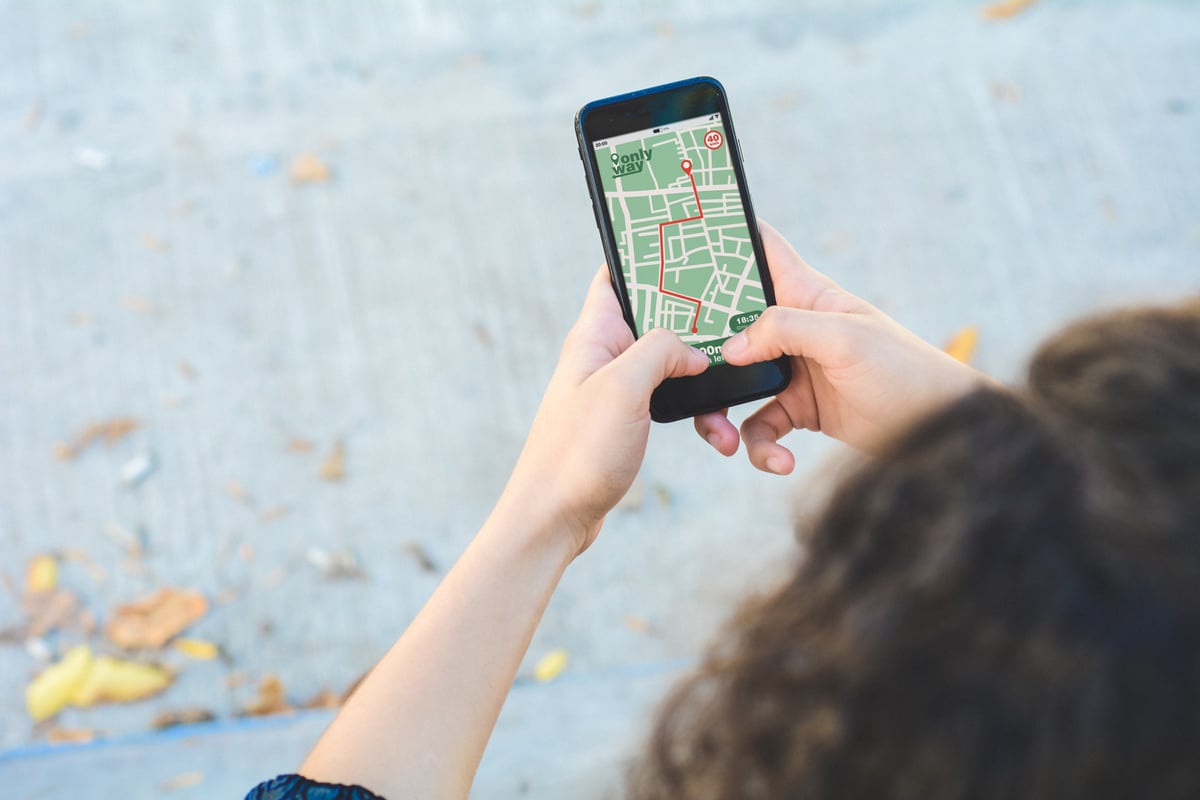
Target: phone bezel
723 385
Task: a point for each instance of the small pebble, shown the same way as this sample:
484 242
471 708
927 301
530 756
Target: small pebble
138 469
92 158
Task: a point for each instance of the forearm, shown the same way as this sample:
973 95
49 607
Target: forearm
418 724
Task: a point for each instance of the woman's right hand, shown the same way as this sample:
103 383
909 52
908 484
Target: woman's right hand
857 374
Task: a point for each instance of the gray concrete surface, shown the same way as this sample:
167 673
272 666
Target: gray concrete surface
1007 174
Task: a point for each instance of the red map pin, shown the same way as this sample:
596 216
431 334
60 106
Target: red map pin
687 165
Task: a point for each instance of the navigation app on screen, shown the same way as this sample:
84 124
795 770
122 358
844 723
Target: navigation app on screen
681 231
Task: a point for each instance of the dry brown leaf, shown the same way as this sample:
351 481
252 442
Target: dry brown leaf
639 624
270 700
181 716
308 168
141 305
81 319
1109 210
273 514
235 679
154 243
76 555
323 699
662 493
333 468
1008 92
421 556
1003 9
152 620
109 431
57 735
226 596
962 344
352 688
42 573
187 370
184 780
275 577
130 541
52 610
239 493
483 335
33 115
299 445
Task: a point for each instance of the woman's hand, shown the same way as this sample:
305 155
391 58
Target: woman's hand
588 439
856 373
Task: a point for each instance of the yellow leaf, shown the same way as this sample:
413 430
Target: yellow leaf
333 468
551 665
197 648
111 680
42 574
51 691
308 168
184 780
962 344
1003 9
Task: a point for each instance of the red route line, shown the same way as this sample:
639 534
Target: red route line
686 164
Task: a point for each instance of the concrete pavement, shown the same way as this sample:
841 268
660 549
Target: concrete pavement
157 262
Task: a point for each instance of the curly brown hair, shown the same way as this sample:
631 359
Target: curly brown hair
1005 603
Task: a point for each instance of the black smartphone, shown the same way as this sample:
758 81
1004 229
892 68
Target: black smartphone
683 247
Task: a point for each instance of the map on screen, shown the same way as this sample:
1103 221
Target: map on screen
681 231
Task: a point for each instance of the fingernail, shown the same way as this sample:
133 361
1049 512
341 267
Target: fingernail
775 464
698 353
714 440
734 345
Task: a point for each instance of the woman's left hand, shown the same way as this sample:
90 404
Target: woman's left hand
589 437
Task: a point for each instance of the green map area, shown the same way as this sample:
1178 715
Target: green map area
682 233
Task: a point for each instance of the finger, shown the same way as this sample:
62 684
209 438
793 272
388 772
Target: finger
601 300
718 431
600 333
796 283
658 355
762 431
832 339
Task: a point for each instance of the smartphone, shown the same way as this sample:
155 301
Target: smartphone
665 174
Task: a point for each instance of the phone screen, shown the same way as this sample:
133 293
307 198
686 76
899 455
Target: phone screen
682 235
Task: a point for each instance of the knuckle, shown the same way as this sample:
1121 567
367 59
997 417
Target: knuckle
658 336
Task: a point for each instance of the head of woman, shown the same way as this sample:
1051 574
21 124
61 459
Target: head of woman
1004 603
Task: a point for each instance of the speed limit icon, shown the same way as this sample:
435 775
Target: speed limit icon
713 140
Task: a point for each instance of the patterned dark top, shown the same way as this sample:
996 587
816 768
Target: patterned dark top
296 787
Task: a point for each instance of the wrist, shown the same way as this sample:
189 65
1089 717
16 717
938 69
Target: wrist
529 518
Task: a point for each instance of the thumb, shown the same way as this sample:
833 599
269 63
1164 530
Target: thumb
653 358
830 338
